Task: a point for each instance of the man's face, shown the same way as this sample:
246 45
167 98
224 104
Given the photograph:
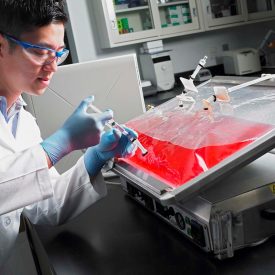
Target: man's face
19 72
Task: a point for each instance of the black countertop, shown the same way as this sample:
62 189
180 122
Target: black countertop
161 97
118 236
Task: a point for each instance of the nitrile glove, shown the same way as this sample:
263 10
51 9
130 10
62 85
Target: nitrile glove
80 130
112 144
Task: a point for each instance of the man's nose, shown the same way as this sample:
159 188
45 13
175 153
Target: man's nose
51 67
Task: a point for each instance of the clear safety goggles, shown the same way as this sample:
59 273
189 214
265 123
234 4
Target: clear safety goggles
41 55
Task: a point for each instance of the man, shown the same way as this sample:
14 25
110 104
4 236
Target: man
31 48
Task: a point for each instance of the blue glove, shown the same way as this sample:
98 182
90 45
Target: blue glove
112 144
80 130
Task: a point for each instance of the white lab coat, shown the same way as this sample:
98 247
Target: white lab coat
28 186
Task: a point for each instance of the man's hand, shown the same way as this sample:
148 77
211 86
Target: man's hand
80 130
112 144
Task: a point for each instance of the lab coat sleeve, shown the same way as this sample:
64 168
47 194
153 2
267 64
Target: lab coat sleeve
73 191
24 179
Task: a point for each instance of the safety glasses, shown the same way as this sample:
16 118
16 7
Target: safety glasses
41 55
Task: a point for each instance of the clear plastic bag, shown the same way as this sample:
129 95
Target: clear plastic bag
183 142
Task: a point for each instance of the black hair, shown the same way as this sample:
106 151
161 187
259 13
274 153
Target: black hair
20 16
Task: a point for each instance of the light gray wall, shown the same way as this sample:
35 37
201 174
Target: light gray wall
186 50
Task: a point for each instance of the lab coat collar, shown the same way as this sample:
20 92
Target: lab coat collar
14 109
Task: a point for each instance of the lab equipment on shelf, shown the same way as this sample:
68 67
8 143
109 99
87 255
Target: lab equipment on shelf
241 61
157 67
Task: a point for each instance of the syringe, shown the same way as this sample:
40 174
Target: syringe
113 124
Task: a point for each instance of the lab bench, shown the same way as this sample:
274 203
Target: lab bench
118 236
163 96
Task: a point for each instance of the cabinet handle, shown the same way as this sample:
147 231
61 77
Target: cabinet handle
195 12
113 24
111 12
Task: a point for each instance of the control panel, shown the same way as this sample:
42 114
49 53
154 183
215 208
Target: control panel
190 226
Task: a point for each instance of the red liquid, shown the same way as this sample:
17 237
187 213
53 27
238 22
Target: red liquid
175 165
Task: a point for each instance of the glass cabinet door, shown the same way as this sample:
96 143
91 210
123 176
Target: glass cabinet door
177 16
130 18
220 12
258 9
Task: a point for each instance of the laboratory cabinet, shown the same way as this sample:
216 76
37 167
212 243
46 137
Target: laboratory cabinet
260 9
124 22
224 13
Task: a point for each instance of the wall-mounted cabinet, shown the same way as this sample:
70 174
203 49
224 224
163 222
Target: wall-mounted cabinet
222 12
177 16
260 9
134 21
125 22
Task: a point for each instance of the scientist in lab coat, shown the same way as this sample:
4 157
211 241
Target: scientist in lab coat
31 48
